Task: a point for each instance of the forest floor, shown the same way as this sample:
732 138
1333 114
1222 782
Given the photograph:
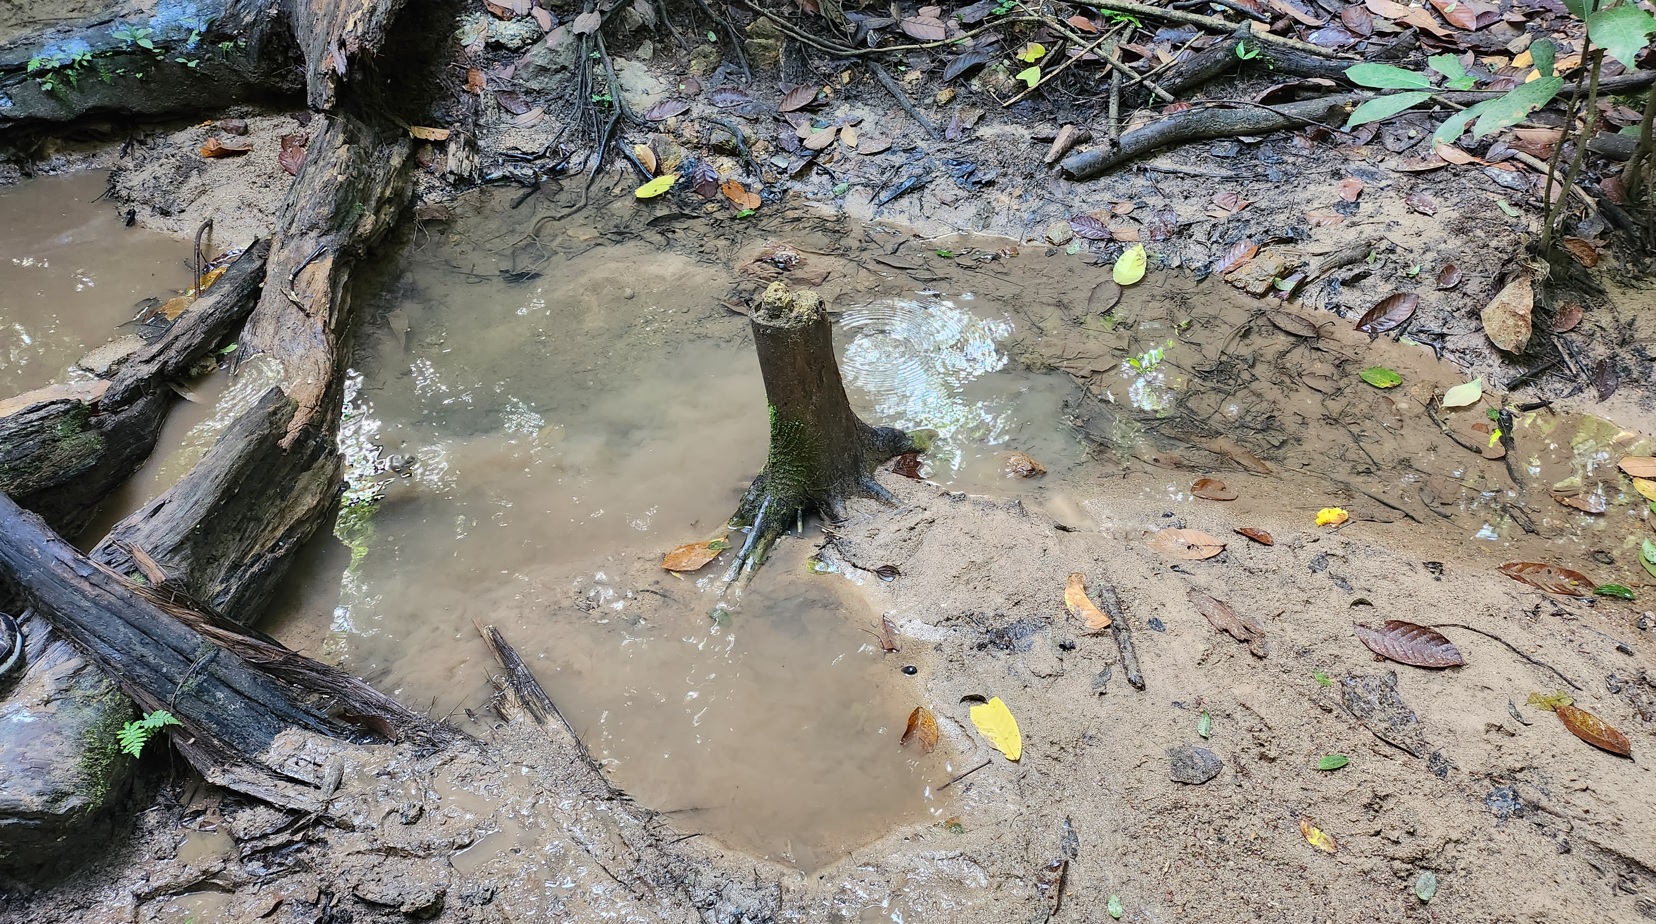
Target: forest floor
1448 772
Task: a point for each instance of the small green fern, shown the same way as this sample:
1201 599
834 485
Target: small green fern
134 735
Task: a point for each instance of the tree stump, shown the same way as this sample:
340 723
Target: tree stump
821 453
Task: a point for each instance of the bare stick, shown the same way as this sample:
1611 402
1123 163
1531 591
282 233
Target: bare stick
1208 22
1535 661
1123 635
896 90
963 776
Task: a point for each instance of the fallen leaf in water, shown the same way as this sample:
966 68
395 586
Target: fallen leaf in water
1225 618
1081 606
1449 277
1317 837
1550 578
1586 503
1130 268
1605 378
1389 313
1594 730
1258 535
1187 544
922 727
226 147
888 635
1332 761
656 186
996 723
739 195
1020 465
1464 394
1212 489
1290 323
1646 488
1104 296
1332 516
799 97
1567 318
1380 377
1638 466
1350 189
1407 643
1585 253
693 555
1506 320
645 155
1647 557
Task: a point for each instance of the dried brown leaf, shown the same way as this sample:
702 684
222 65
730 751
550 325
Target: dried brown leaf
1186 544
739 195
1258 535
1638 466
666 109
1586 503
924 28
799 97
1234 256
1594 730
226 147
1086 226
1290 323
1212 489
871 146
1507 318
512 101
1421 202
1081 606
693 555
1459 13
1567 318
1407 643
907 465
646 156
586 23
1351 188
888 635
1550 578
1585 253
922 727
1104 296
821 139
1449 277
426 133
1020 465
1225 618
1389 313
291 156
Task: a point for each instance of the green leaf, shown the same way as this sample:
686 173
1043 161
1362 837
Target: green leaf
1333 762
1322 679
1455 76
1029 75
1581 8
1426 886
1387 77
1452 128
1549 701
1516 105
656 186
1614 590
1647 557
1204 725
1507 207
1621 30
1114 907
1381 377
1130 268
1031 53
1462 395
1543 52
1384 107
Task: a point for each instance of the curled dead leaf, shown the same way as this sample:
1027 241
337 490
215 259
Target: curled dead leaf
226 147
1225 618
1585 253
1593 502
1212 489
427 133
1389 313
888 635
1234 256
1258 535
1567 318
291 156
922 727
1407 643
739 195
1449 277
1081 606
1594 730
1020 465
1551 578
1507 318
1186 544
693 555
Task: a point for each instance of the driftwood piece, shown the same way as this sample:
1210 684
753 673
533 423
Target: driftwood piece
1123 635
203 325
1203 124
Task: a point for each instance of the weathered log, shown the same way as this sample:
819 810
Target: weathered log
821 454
165 60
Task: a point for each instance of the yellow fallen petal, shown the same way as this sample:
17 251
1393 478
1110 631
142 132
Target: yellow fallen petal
1317 837
996 723
1332 516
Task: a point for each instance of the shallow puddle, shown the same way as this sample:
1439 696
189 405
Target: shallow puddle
70 273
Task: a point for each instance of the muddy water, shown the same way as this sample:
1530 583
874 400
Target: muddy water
70 273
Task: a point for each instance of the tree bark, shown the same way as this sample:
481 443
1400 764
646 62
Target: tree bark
821 454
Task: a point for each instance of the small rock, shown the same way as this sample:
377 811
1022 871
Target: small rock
1193 765
1059 233
628 293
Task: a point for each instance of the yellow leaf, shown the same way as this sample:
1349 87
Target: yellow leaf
656 186
1032 52
1332 516
211 277
426 133
1317 837
1523 59
1645 486
693 555
996 723
1081 606
1130 268
645 156
1029 75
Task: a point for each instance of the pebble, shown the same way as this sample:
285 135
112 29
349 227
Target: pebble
628 293
1193 765
910 670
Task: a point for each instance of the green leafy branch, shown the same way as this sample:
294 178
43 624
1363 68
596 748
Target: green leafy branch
134 735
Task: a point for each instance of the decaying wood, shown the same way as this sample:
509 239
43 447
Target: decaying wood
62 459
1123 634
